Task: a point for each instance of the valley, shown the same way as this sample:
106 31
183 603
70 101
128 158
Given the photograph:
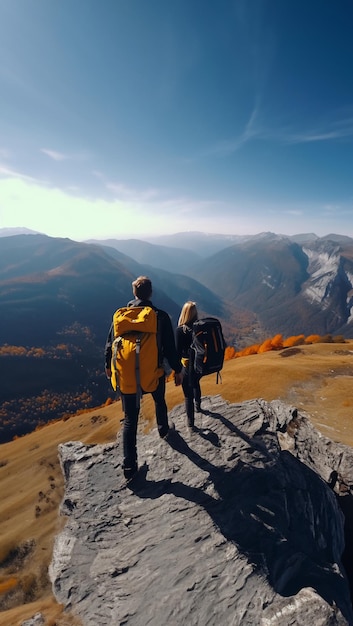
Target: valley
57 297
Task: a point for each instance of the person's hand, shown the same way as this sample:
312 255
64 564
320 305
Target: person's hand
108 372
178 378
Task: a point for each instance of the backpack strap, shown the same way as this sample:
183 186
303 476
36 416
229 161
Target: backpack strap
191 372
137 372
115 347
159 338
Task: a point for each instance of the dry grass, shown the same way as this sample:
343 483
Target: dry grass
316 378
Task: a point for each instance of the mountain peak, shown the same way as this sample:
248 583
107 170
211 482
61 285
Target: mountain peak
10 232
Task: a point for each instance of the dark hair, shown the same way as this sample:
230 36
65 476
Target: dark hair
142 288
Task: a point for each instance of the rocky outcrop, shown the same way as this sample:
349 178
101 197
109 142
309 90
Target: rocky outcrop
238 523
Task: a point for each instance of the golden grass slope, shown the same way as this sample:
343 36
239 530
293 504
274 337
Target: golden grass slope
316 378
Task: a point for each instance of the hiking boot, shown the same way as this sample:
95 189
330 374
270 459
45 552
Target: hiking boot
171 428
198 407
171 434
130 472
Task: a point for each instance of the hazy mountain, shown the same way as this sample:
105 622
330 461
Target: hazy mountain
83 279
9 232
343 239
201 244
57 298
164 257
303 238
208 244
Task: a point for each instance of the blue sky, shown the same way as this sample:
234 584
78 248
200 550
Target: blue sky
127 118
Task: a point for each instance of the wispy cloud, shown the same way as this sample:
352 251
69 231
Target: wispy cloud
249 133
295 212
56 156
128 194
61 156
252 130
6 172
333 130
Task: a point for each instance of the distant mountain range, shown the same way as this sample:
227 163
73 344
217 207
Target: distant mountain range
291 287
298 284
58 292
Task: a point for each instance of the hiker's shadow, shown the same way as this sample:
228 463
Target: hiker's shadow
257 509
209 435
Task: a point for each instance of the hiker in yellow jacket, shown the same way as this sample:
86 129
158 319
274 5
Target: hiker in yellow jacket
142 291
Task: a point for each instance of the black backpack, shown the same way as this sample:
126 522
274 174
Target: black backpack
207 346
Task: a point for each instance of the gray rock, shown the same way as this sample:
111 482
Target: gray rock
233 524
36 620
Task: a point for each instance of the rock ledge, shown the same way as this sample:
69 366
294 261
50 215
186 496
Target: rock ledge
237 524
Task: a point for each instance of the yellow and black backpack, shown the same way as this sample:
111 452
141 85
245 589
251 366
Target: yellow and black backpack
136 358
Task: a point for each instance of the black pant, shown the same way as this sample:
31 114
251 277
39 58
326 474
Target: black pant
191 389
131 414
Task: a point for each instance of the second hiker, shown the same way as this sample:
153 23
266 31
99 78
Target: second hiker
191 380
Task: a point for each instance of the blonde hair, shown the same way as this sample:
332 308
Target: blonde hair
188 314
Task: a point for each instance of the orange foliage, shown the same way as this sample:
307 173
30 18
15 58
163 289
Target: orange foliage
296 340
277 343
248 351
266 346
7 350
313 339
8 584
229 353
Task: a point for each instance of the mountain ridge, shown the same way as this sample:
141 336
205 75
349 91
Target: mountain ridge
57 297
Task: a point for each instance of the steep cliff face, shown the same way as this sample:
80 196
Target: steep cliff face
294 287
323 268
238 523
330 281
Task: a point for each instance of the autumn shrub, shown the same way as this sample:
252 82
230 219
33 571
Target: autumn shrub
278 343
8 584
295 340
249 350
313 339
229 353
266 346
339 339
